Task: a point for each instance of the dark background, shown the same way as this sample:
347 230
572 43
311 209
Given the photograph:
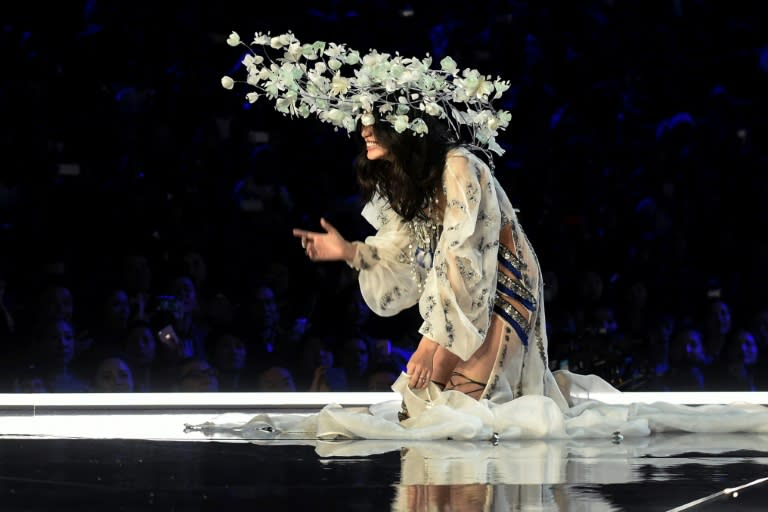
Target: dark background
636 155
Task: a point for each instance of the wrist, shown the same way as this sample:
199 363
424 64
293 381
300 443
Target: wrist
428 345
350 251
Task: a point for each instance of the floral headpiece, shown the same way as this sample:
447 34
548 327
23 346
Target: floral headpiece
310 79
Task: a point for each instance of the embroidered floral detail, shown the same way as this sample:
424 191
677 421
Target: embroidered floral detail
473 194
484 247
491 387
540 342
430 302
441 271
449 329
465 269
455 203
389 297
481 300
503 356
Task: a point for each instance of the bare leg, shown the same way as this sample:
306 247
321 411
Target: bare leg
443 366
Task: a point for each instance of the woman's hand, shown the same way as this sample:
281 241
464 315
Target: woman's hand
419 367
328 246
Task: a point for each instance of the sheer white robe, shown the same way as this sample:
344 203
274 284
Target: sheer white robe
460 281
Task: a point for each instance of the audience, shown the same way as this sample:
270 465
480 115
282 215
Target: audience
636 158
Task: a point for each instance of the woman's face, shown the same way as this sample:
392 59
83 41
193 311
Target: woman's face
118 309
748 347
374 151
114 376
141 346
59 342
694 347
230 353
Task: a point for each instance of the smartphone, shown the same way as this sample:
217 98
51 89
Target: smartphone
167 336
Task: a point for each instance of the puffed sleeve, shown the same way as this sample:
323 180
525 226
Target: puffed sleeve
456 301
385 277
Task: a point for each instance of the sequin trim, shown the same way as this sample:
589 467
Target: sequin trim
516 290
512 317
510 261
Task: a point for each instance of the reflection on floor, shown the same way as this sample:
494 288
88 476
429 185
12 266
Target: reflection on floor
146 460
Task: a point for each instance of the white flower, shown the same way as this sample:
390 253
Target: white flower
294 52
303 79
339 85
309 52
333 115
399 122
504 118
460 94
334 50
276 42
448 65
233 39
252 60
352 58
433 109
366 101
349 124
419 126
261 39
227 82
500 86
303 110
286 105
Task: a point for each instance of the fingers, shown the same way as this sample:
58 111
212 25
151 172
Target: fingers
327 225
419 380
300 233
306 238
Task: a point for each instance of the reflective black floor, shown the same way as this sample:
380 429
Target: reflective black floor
649 474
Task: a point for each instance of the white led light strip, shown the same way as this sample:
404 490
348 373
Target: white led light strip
318 400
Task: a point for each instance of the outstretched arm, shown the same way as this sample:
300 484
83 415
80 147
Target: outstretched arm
328 246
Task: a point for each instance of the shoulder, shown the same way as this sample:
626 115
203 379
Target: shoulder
462 162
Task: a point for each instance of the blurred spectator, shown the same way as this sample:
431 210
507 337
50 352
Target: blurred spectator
54 351
113 375
139 345
196 376
621 165
230 357
276 379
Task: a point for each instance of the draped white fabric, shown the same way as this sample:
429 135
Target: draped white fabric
454 416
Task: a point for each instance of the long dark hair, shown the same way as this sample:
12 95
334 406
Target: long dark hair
412 177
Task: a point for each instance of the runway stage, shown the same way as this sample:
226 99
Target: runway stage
132 452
